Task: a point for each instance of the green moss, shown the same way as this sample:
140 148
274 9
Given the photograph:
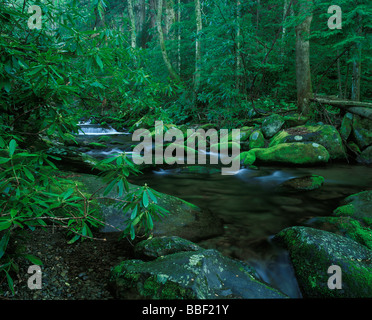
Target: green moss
346 210
256 140
97 145
294 153
247 158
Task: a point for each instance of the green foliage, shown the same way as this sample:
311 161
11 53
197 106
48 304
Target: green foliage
141 203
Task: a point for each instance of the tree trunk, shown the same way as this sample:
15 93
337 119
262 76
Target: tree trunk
357 57
197 46
339 77
132 24
238 46
179 37
303 71
167 62
363 109
170 17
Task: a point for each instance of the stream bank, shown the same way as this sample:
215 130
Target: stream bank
253 209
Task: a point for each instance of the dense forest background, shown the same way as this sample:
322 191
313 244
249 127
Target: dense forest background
131 63
177 61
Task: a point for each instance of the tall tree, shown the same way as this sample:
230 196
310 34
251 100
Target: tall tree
199 27
173 74
303 71
357 57
132 24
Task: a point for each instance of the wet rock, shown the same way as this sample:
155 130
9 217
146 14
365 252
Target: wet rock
256 140
357 206
74 160
345 226
325 135
362 131
366 156
294 120
204 274
162 246
306 183
288 153
271 125
346 126
313 251
184 220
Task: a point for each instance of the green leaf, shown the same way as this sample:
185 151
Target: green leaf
109 187
74 239
134 213
99 62
132 232
152 196
150 223
12 147
4 243
145 199
10 282
5 224
33 259
4 160
68 193
121 187
28 174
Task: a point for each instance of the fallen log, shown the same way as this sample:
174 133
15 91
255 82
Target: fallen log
362 109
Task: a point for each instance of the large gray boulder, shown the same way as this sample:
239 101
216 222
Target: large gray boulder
184 220
204 274
313 251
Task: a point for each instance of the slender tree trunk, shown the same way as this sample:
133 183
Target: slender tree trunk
173 74
197 46
346 78
179 37
132 24
303 71
339 77
238 45
357 57
170 17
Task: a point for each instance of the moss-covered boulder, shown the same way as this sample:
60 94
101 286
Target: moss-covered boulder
362 131
289 154
256 140
325 135
271 125
365 157
156 247
294 120
97 145
306 183
313 251
184 220
345 226
346 126
204 274
245 133
357 206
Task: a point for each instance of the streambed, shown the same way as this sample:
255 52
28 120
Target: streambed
251 204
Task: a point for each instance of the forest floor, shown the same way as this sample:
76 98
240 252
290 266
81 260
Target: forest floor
69 271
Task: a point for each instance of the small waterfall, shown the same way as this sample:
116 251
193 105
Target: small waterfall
87 128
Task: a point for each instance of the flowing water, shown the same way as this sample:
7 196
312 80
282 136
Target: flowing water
253 207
